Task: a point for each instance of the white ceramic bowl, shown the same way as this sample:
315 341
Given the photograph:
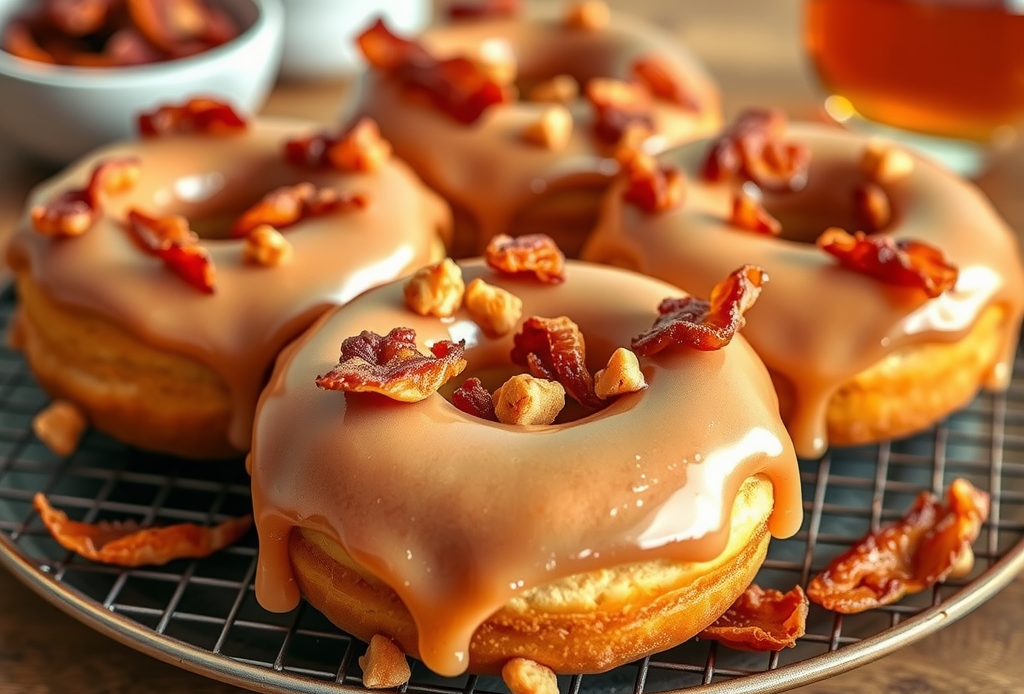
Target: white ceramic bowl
58 113
319 35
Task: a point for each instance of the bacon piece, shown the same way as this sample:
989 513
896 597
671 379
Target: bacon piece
472 398
536 253
19 41
907 556
360 148
171 240
289 205
201 115
125 47
181 26
650 187
652 72
126 544
553 348
78 17
753 148
392 365
761 620
748 213
74 211
458 86
618 107
484 9
704 325
904 262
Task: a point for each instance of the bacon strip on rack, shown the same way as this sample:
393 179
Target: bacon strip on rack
761 620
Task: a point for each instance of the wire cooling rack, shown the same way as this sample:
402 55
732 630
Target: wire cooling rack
203 615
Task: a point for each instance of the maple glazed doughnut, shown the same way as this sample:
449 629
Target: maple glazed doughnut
164 337
581 544
536 109
868 336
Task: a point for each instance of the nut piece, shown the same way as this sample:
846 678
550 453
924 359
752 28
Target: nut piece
524 400
563 89
885 163
60 427
587 15
496 58
621 376
384 665
872 206
266 246
436 290
494 309
360 149
552 130
523 676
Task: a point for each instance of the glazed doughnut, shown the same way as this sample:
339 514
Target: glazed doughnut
855 359
500 178
158 363
582 544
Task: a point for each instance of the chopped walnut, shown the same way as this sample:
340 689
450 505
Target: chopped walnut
651 187
435 290
60 426
587 15
621 376
266 246
495 58
524 676
496 310
552 130
871 205
619 105
384 666
885 163
525 399
562 89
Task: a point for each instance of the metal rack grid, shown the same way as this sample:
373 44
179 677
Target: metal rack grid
202 615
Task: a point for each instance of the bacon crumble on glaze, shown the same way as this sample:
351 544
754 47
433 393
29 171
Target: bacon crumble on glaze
201 115
360 148
393 366
289 205
704 324
73 212
753 148
748 213
904 262
553 348
124 543
484 8
653 74
531 253
618 107
472 398
171 240
761 620
651 187
927 545
458 86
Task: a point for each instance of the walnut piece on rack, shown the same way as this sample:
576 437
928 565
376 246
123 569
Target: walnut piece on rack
60 426
384 666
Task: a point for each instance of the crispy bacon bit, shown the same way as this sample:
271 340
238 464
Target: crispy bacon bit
704 325
60 426
392 365
621 376
472 398
553 348
654 74
748 213
495 310
587 15
78 17
435 290
171 240
524 676
74 211
126 544
384 666
360 148
267 247
561 89
458 86
753 148
525 400
19 41
181 27
907 556
536 253
484 8
201 115
761 620
552 130
617 106
871 205
650 187
905 262
289 205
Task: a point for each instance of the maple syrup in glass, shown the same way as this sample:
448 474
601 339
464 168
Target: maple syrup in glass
949 73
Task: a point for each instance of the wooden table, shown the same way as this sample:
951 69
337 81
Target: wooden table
753 49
